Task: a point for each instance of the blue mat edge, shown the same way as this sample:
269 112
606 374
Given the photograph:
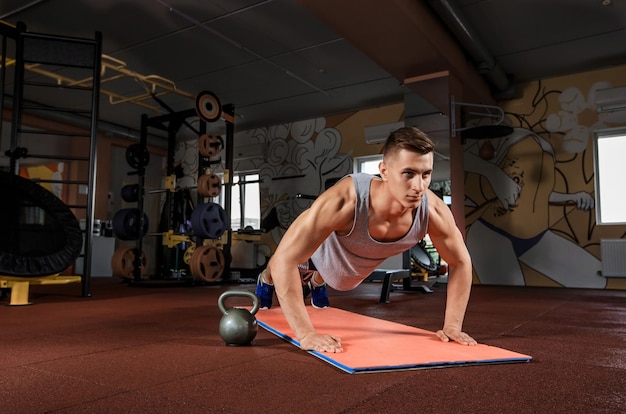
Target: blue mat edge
315 353
388 368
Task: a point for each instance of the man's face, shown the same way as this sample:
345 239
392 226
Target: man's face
408 175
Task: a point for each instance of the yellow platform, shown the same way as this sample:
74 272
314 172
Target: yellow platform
20 285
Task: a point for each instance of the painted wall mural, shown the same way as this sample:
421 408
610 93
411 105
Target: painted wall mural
530 209
299 159
46 172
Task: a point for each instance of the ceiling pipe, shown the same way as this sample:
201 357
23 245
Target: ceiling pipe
456 22
104 127
20 9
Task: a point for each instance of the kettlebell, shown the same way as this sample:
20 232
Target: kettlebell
238 326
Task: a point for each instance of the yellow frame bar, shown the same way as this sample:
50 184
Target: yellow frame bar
20 286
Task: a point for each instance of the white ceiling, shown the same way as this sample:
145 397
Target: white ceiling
285 60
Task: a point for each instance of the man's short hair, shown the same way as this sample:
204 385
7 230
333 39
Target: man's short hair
410 139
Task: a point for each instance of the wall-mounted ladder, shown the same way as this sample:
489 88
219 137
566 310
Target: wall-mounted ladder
51 141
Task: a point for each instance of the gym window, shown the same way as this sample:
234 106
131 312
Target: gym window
610 170
367 164
245 201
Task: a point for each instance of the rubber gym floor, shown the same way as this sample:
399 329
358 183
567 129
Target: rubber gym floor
132 349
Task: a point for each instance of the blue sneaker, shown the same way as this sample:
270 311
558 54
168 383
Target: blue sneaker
265 292
319 296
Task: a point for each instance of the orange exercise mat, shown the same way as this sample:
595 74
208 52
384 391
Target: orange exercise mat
375 345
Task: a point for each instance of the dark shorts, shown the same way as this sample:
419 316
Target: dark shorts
306 269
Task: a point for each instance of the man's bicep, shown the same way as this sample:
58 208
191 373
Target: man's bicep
301 239
308 232
332 211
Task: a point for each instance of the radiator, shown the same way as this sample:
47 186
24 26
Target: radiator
613 254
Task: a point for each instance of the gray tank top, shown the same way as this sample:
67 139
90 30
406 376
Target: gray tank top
345 261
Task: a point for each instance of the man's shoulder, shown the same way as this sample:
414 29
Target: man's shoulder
344 188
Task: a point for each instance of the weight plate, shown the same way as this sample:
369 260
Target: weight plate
123 263
137 156
189 253
203 145
209 185
209 220
209 145
208 107
126 224
130 193
207 263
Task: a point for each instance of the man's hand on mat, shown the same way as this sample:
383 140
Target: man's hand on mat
321 343
456 335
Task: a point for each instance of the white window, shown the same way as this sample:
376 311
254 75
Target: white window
610 174
245 201
367 164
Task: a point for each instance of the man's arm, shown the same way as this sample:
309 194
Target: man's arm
331 211
449 242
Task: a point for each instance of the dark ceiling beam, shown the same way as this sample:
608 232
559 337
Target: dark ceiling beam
407 39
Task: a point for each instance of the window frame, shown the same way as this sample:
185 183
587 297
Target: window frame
605 171
239 207
359 161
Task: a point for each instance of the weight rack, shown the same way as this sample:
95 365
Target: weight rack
171 123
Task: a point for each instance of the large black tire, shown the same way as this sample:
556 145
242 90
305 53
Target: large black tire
40 234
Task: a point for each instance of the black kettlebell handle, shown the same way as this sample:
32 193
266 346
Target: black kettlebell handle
238 293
